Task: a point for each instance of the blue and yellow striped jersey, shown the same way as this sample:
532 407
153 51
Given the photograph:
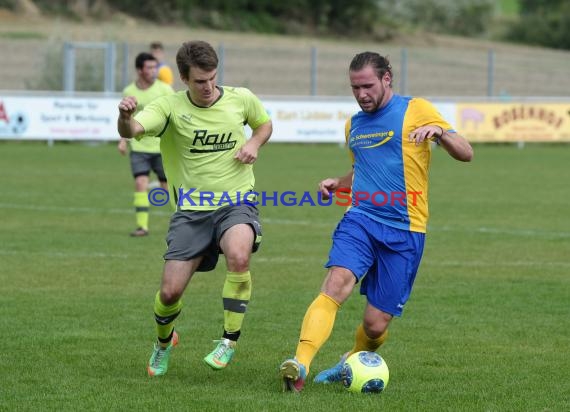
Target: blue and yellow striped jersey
390 182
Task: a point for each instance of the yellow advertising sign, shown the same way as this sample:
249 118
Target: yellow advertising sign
514 122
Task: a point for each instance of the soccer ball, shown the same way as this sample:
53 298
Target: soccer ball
365 372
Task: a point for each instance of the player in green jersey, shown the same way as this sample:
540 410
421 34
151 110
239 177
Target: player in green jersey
205 150
145 153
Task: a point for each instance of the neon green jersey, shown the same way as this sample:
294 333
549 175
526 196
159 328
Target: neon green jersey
150 144
198 146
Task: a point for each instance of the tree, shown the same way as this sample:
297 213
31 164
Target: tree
543 23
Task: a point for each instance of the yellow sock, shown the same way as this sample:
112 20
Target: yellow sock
316 329
164 316
141 204
363 342
235 294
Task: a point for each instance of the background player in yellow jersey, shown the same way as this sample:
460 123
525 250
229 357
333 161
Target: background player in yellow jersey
164 71
144 153
379 241
209 164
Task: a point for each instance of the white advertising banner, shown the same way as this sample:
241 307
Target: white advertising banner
311 121
95 118
58 118
321 121
447 111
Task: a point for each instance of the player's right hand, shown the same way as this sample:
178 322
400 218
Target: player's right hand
127 106
328 186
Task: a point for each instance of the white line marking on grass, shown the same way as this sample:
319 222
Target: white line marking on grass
295 222
277 259
497 231
285 259
294 260
291 222
67 209
322 261
128 211
66 254
476 263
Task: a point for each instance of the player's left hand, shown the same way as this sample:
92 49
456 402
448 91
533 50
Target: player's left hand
425 132
247 154
122 146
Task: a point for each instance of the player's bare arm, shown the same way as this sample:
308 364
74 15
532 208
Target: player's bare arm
126 125
457 146
248 152
329 185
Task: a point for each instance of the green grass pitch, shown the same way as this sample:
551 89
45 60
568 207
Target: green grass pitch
487 327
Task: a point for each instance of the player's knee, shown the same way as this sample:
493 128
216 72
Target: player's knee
169 296
339 283
238 262
375 327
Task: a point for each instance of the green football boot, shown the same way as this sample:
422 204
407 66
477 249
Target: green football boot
221 355
158 362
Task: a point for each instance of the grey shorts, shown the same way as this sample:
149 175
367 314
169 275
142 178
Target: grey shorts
196 233
143 163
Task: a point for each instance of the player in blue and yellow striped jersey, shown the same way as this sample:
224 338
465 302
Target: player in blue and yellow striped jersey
379 241
164 72
205 150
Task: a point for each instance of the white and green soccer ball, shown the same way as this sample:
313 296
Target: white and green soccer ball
365 372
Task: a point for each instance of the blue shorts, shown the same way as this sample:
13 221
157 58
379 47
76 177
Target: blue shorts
384 258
